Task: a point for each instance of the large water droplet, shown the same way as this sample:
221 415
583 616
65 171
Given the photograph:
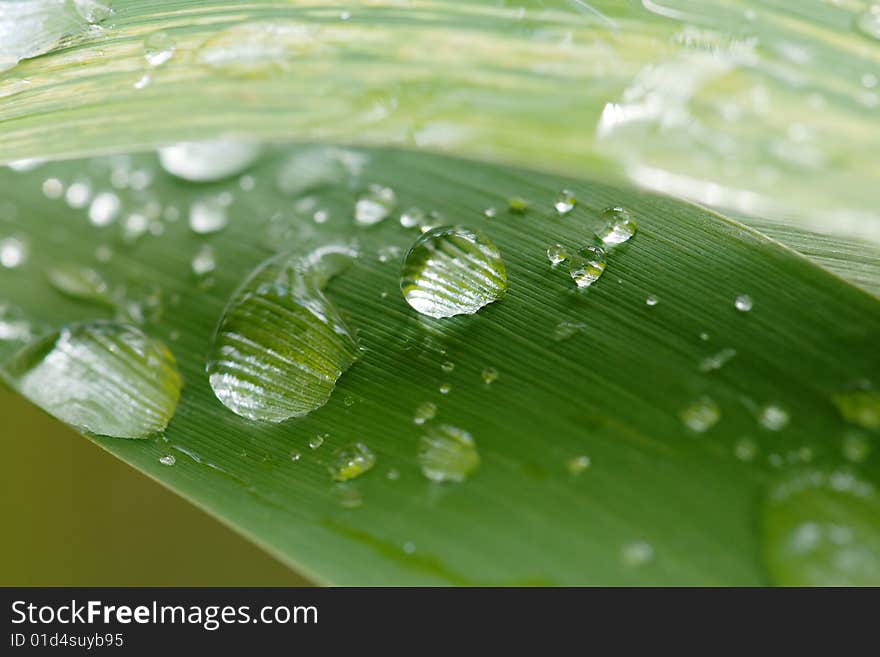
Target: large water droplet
107 378
620 228
452 270
447 453
822 529
206 161
258 49
587 266
351 462
281 344
556 253
859 407
81 283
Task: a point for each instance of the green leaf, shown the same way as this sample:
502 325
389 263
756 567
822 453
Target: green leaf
586 474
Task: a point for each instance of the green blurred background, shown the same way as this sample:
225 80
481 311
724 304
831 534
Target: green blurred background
83 518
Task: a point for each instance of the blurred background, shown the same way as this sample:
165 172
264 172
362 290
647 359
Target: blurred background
84 518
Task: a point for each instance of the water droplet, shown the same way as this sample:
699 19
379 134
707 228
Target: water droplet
490 213
620 228
452 270
412 218
281 344
704 336
448 366
820 528
718 360
745 449
489 375
773 417
81 283
134 226
104 209
374 205
318 167
565 330
204 261
167 460
53 188
352 461
425 412
445 389
743 303
208 215
556 253
651 301
295 456
447 453
14 326
868 22
78 194
392 475
349 497
701 415
517 205
107 378
317 440
565 202
636 554
856 447
159 47
587 266
208 161
13 252
28 164
860 407
409 547
258 49
577 464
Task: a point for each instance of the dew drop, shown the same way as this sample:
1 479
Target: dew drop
317 440
392 475
587 266
318 167
425 412
577 464
281 344
452 270
745 449
375 205
566 330
636 554
868 22
490 213
412 218
860 407
208 161
159 47
447 453
565 202
258 49
13 252
743 303
351 462
556 253
701 415
448 366
445 389
208 215
78 194
856 447
14 327
204 261
820 528
651 301
80 283
773 417
104 209
620 228
53 188
717 360
107 378
349 497
142 82
168 460
489 375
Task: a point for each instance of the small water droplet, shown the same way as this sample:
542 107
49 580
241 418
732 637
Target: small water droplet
819 528
868 22
745 449
14 326
445 389
620 228
159 47
107 378
392 475
636 554
452 270
81 283
208 215
78 194
743 303
13 252
565 330
258 49
426 411
856 447
204 261
375 205
447 453
859 407
281 344
349 497
53 188
317 440
208 161
556 253
565 202
489 375
295 456
704 336
773 417
409 547
142 82
352 461
517 205
490 213
134 226
587 266
412 218
651 301
104 209
717 360
167 460
448 366
319 167
701 415
577 464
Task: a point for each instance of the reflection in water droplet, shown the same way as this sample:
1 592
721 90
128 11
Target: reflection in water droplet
425 412
452 270
81 283
822 528
374 205
207 161
620 228
351 462
107 378
773 417
565 202
587 266
281 344
860 407
159 47
701 415
447 453
743 303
